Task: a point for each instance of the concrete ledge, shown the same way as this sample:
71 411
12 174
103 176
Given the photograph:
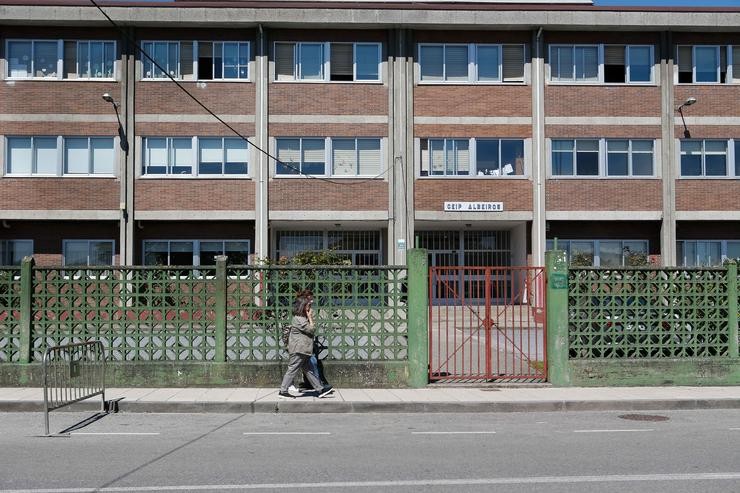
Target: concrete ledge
655 372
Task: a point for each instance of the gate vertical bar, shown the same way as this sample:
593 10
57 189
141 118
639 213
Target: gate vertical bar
488 324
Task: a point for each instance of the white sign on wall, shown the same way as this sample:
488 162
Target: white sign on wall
474 206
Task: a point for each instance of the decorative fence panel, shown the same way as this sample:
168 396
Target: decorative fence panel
648 313
360 311
174 313
10 305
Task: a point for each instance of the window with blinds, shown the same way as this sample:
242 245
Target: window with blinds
708 64
196 60
346 61
611 64
471 63
347 156
481 157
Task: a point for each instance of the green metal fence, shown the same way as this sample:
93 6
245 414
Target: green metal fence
10 304
226 313
652 313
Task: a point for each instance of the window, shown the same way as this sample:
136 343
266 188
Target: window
13 251
706 253
629 157
632 64
358 247
327 61
195 156
709 158
472 157
88 252
708 64
195 252
56 59
623 157
89 156
196 60
604 253
225 156
471 63
329 156
54 156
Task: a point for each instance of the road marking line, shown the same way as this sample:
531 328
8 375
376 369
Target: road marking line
614 431
288 433
614 478
453 432
111 433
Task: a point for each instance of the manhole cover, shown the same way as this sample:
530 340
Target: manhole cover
644 417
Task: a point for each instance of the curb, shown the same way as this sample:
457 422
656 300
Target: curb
337 407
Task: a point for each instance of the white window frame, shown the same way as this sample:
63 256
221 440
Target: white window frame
326 63
630 154
600 69
195 159
145 59
729 75
195 244
473 157
90 172
473 69
723 249
733 160
60 164
565 244
60 59
6 242
602 160
89 242
328 158
196 62
325 243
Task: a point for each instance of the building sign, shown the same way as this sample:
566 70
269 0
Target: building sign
474 206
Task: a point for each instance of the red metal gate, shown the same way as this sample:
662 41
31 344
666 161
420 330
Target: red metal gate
487 323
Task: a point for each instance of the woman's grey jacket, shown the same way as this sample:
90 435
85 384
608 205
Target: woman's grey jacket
301 336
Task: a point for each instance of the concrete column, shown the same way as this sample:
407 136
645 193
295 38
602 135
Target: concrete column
417 325
539 161
261 169
128 175
220 309
400 143
557 318
667 152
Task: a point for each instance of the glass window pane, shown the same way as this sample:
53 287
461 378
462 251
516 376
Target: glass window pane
563 68
587 157
642 145
642 164
313 157
617 145
617 164
737 156
18 249
237 157
237 252
488 63
109 57
344 157
512 157
562 145
640 63
311 63
733 250
706 60
96 59
45 155
76 156
689 248
289 156
181 253
231 60
211 156
690 165
587 63
218 60
437 156
209 250
715 146
487 157
708 253
103 156
159 54
562 163
432 62
182 156
610 253
716 165
367 61
456 63
20 155
19 58
156 253
582 253
45 58
75 252
370 160
101 253
155 156
173 59
83 59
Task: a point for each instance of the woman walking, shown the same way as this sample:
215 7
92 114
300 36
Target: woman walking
300 346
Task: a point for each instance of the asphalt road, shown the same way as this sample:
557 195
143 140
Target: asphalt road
513 452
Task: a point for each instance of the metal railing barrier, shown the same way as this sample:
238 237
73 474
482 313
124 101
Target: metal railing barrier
73 373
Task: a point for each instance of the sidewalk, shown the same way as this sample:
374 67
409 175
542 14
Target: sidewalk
430 399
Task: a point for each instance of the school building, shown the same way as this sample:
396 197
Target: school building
481 130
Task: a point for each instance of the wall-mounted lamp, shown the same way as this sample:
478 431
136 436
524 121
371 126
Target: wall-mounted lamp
121 132
691 100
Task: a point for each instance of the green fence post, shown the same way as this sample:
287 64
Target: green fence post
732 314
26 309
418 317
220 309
557 318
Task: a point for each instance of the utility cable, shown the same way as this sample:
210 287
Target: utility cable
356 181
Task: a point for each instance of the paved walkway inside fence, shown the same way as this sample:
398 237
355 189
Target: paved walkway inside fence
429 399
